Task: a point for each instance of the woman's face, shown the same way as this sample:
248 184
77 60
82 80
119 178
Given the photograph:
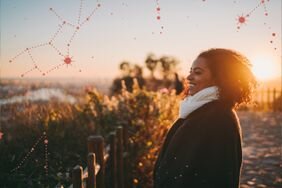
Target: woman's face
200 76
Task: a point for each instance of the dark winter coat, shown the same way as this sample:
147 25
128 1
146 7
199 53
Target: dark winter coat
201 151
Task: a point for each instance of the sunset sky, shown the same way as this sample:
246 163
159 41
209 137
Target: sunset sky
33 45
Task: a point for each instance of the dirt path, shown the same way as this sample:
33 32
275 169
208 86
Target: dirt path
262 144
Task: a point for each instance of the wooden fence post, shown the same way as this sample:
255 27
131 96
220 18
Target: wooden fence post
120 172
77 177
125 137
91 163
268 99
274 107
113 160
263 101
96 145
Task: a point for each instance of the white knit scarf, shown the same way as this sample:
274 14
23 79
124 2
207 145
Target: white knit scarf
191 103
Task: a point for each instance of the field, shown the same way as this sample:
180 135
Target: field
43 133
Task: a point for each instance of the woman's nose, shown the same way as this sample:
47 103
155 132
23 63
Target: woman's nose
189 77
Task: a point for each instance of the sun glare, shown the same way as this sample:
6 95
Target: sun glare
264 68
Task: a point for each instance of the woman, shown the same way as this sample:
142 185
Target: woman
203 147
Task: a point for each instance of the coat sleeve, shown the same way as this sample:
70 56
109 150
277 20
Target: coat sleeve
203 154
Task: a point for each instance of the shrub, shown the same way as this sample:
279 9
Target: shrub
147 115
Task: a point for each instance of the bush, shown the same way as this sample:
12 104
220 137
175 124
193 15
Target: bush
147 115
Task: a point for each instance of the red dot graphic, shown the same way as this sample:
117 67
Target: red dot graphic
67 60
51 43
261 3
158 9
242 19
158 17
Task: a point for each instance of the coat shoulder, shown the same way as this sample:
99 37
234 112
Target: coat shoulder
214 116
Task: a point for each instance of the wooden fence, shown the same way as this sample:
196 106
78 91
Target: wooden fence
266 99
93 176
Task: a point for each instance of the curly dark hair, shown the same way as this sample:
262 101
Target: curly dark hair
232 74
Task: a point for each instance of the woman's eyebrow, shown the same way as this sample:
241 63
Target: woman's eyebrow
196 68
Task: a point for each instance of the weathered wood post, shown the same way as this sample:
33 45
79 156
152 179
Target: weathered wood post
262 99
279 107
91 163
125 137
255 105
113 160
274 107
77 177
96 145
120 172
258 99
268 99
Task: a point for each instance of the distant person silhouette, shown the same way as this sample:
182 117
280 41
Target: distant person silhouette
178 85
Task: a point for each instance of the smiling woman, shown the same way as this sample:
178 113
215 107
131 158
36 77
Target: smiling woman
264 68
203 146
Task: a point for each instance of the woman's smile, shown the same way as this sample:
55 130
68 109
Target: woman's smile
200 76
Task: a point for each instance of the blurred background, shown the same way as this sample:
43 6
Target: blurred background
70 69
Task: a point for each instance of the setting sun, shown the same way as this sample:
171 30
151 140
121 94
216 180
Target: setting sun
264 68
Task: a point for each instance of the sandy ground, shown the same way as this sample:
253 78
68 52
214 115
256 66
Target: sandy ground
262 144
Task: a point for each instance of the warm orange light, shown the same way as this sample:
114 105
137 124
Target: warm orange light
264 68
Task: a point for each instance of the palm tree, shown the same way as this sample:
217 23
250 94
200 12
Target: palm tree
168 65
151 63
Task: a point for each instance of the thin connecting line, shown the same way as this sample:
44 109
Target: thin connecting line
46 153
51 43
158 10
262 2
79 12
27 156
243 18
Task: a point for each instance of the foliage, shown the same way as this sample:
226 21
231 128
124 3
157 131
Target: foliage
147 115
66 131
